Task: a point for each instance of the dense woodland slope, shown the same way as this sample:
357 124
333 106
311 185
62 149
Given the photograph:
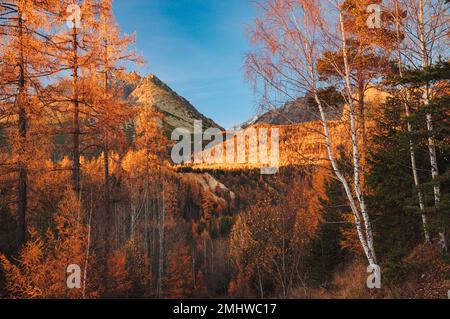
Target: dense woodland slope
86 176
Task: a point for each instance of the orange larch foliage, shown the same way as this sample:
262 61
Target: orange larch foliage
41 268
119 283
178 280
25 56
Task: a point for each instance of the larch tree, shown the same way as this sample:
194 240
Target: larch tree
110 111
41 269
76 56
178 280
26 51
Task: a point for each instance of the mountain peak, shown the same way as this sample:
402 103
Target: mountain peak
178 111
157 81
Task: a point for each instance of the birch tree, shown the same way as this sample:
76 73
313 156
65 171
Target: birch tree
426 31
287 39
367 56
397 15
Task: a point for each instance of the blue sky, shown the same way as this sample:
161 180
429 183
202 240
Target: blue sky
197 47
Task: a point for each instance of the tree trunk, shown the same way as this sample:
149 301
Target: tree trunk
368 251
345 184
22 226
76 123
88 247
194 279
431 142
260 285
105 226
416 179
362 116
363 131
161 248
106 191
356 161
410 130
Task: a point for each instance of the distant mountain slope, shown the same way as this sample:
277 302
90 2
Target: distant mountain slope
294 112
178 112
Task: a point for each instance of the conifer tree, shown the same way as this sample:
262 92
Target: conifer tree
26 54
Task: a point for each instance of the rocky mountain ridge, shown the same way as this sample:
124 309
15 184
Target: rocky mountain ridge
178 111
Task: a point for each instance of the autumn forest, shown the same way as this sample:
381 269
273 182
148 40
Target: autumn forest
354 96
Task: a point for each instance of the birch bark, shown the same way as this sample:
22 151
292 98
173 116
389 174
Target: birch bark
410 130
354 136
426 57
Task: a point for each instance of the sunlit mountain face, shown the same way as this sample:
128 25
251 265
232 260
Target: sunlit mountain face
178 112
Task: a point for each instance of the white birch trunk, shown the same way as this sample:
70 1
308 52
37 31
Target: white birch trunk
429 119
410 130
361 231
88 247
426 100
416 179
354 137
348 192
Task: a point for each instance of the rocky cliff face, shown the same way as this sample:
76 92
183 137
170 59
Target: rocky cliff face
178 112
301 134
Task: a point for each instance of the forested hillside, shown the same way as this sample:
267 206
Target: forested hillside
88 182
